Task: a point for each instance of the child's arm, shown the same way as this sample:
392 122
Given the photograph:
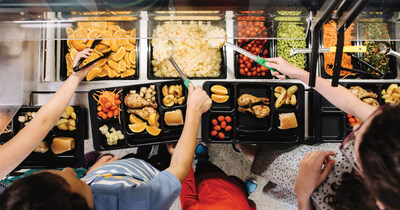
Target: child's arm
20 146
198 102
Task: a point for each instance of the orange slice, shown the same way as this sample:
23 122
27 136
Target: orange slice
219 89
101 47
113 27
86 25
129 47
69 41
79 45
128 73
134 120
102 73
93 73
114 44
89 43
153 131
101 62
81 33
137 128
132 57
106 50
120 54
73 52
133 32
153 120
92 57
102 26
114 65
94 34
108 71
69 31
106 34
219 98
124 42
122 66
69 61
126 60
119 33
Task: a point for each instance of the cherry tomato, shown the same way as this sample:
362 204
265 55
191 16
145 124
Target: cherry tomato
349 116
214 133
112 108
110 114
228 128
221 135
105 110
108 104
223 124
117 102
104 116
99 108
352 120
116 96
217 127
116 112
221 118
214 122
228 119
100 113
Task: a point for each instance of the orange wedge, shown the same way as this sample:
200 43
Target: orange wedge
81 33
106 34
114 45
108 71
133 32
119 33
124 42
101 47
102 26
122 66
132 57
69 61
128 73
134 120
86 25
120 54
219 89
69 41
93 73
69 31
89 43
114 65
126 60
153 131
112 27
153 121
137 128
74 52
129 47
101 62
219 98
94 34
102 73
92 57
79 45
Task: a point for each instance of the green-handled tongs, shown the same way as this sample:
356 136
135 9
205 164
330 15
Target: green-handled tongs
186 81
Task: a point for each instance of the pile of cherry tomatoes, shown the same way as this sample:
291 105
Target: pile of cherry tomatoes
220 125
109 109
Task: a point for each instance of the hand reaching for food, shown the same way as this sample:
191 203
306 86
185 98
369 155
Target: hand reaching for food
198 100
285 68
312 173
83 54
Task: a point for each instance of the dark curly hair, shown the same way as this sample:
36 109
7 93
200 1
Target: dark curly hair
41 191
380 157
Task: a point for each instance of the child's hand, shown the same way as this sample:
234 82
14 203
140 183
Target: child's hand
83 54
312 173
198 100
284 68
102 161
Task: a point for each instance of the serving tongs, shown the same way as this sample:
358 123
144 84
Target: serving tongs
366 64
360 72
346 49
105 55
186 81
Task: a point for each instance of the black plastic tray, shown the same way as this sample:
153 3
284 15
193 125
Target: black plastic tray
247 129
168 133
124 25
150 72
330 123
73 158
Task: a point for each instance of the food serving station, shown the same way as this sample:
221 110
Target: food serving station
133 98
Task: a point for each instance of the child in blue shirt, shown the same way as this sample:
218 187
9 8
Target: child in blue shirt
112 183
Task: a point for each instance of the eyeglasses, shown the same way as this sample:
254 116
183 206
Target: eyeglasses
349 141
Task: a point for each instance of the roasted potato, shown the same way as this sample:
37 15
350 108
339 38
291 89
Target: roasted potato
293 100
169 100
279 89
280 100
292 89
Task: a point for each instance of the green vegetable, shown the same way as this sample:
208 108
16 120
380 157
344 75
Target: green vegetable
375 58
291 30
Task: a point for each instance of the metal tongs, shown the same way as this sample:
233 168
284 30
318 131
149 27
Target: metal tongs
386 50
186 81
105 55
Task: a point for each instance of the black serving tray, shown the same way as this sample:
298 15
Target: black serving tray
167 135
73 158
150 72
247 129
128 25
330 123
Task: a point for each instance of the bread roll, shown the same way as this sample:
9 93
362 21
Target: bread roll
62 144
288 121
173 118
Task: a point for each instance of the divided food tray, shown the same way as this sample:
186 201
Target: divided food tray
127 25
73 158
246 128
150 72
168 133
330 123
